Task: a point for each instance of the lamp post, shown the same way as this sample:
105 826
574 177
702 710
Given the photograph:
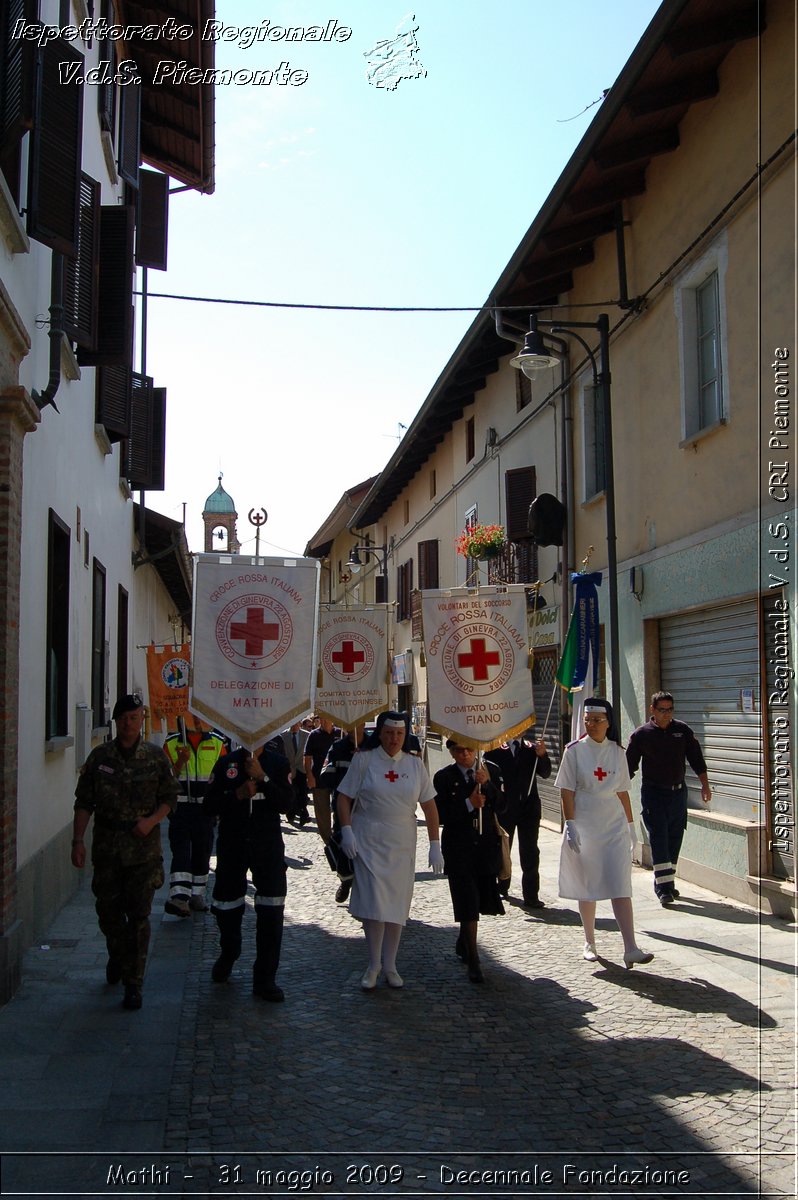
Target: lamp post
534 357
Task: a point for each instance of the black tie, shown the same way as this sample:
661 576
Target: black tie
515 748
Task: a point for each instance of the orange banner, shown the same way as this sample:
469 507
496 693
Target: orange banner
167 680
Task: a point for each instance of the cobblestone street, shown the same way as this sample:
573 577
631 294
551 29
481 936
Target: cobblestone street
677 1078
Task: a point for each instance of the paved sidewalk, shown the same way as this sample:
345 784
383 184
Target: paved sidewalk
556 1077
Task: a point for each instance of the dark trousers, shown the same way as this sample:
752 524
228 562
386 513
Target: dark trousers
124 895
259 850
191 843
528 827
664 812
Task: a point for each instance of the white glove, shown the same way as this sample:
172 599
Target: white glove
435 859
348 843
572 837
632 837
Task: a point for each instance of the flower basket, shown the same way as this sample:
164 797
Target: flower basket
481 541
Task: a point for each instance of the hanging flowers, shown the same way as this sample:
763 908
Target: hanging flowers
481 541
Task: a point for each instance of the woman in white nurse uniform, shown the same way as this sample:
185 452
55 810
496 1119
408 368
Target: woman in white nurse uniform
595 856
377 801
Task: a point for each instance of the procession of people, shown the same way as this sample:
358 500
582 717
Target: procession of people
376 784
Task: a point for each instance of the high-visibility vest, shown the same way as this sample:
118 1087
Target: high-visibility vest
203 756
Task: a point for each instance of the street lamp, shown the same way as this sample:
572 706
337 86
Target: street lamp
535 356
381 552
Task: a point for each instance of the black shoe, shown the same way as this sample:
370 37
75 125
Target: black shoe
222 969
535 903
113 971
475 973
304 818
268 991
132 996
460 950
344 888
666 899
675 894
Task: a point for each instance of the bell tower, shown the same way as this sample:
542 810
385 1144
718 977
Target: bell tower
219 517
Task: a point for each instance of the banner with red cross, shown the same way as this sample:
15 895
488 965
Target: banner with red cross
254 643
479 685
353 656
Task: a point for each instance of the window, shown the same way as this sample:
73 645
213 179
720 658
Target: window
57 666
80 273
404 587
114 342
595 463
53 210
470 444
433 484
98 680
523 390
380 589
700 314
16 92
520 487
406 512
472 564
122 609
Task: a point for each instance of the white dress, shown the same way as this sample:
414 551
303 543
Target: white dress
385 792
596 772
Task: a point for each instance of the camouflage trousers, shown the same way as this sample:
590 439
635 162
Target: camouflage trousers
124 895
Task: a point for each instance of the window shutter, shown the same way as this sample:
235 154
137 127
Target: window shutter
113 401
55 150
130 133
152 223
16 77
106 91
380 589
115 293
145 431
157 474
428 564
81 274
404 586
520 491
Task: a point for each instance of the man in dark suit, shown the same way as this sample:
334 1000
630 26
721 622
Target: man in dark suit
470 855
521 763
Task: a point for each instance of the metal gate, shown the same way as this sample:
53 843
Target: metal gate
543 686
709 660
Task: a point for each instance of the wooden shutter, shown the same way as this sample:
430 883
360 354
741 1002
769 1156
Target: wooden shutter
55 150
380 589
146 445
115 293
520 491
152 223
113 401
17 61
428 564
404 586
130 133
81 274
106 91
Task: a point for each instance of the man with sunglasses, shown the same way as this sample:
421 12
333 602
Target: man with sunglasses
664 746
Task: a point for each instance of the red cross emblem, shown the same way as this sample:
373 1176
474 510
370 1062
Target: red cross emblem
479 659
392 777
348 657
254 631
600 773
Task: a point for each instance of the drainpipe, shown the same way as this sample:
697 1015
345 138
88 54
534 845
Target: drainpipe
42 399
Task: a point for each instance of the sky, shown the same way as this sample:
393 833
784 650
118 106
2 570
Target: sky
338 192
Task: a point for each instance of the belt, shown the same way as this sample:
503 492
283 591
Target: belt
667 787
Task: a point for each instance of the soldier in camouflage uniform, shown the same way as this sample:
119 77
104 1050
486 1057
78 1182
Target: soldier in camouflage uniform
129 787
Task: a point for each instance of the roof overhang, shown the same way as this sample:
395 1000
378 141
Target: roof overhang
177 118
165 549
339 519
674 66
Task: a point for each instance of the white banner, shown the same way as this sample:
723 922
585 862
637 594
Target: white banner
253 643
353 656
479 685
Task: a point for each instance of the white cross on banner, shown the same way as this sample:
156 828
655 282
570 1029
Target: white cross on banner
479 685
253 643
353 656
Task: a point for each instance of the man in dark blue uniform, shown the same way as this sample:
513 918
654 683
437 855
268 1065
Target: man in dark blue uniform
664 746
248 793
521 763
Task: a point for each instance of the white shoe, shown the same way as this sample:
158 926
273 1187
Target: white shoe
369 980
636 956
589 952
394 979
